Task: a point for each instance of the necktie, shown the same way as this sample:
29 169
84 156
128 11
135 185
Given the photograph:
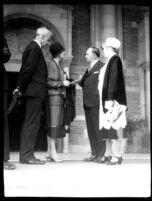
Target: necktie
89 67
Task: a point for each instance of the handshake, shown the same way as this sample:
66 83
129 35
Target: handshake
67 83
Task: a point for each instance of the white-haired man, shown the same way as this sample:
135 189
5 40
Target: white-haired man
32 85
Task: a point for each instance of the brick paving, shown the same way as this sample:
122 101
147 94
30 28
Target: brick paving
75 178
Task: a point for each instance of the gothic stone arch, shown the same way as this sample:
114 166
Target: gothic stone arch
19 31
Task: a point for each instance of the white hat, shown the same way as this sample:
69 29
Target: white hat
112 42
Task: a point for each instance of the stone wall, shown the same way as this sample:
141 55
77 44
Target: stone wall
53 14
131 18
80 42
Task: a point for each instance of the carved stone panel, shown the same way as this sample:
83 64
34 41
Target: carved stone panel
18 39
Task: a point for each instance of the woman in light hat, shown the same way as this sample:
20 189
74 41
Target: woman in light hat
56 85
113 104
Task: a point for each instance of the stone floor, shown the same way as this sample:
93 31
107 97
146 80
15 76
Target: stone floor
75 178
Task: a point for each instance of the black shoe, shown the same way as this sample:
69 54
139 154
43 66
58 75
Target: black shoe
91 158
103 159
99 159
51 159
118 162
9 166
33 161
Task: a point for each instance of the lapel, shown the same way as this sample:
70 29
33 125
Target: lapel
40 51
87 74
43 59
60 70
84 76
96 65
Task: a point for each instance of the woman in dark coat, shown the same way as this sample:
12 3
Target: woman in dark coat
56 85
113 103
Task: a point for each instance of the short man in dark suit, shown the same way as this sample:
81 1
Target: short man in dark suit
32 85
89 84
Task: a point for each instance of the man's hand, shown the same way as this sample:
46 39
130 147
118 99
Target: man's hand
66 83
17 91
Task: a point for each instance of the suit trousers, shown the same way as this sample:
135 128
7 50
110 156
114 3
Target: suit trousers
98 146
30 127
6 128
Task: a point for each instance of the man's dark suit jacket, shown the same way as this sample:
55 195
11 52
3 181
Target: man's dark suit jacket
33 73
89 84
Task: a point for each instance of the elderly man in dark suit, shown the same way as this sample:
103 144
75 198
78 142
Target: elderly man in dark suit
89 84
32 85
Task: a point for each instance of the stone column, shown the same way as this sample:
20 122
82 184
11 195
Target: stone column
108 21
95 25
147 92
69 32
104 24
147 70
142 91
144 62
111 24
144 76
67 64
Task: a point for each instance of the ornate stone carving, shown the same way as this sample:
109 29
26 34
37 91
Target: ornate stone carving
145 66
18 39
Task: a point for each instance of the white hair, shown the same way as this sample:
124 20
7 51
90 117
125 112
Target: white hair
43 31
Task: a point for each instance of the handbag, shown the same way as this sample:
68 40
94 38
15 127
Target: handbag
17 105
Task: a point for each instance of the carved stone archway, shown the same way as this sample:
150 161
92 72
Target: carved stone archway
35 21
19 30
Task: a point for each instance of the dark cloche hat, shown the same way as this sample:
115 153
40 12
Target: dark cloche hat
56 49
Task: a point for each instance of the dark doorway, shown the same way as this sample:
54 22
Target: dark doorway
15 122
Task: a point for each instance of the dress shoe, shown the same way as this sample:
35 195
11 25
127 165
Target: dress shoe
33 161
99 159
118 162
51 159
103 159
91 158
9 166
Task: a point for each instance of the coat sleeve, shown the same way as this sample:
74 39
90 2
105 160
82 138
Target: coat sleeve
115 75
81 82
53 81
28 67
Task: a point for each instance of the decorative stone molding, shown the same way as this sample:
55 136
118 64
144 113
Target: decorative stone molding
66 6
67 63
145 66
19 39
36 20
